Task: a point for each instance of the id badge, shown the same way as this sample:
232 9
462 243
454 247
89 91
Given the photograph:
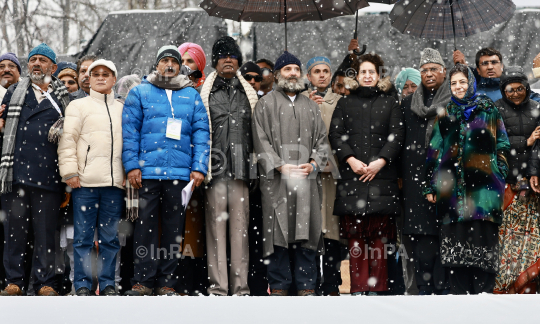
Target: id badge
174 128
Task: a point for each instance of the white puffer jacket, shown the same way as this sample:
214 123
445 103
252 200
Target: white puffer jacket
91 145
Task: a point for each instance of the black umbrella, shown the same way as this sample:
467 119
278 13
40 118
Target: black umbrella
281 11
445 19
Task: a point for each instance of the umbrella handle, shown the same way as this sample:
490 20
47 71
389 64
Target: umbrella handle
358 53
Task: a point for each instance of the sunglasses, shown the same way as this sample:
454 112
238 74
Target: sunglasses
266 70
228 56
250 77
70 82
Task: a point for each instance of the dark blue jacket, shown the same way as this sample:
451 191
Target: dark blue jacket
36 159
144 121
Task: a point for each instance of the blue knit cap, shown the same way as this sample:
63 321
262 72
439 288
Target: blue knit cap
45 50
285 59
63 66
11 57
318 60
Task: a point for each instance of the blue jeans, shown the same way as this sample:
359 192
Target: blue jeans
96 206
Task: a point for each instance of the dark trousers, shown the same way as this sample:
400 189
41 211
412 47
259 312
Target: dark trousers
280 275
331 266
156 257
471 281
110 203
257 281
368 260
25 205
431 276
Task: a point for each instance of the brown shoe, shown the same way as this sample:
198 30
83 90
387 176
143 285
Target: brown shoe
279 292
139 290
306 292
11 290
47 291
334 293
166 291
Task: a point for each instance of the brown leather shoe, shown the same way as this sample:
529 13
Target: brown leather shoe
139 290
306 292
11 290
166 291
47 291
279 292
334 293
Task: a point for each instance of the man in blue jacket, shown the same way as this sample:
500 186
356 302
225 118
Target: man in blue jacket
166 145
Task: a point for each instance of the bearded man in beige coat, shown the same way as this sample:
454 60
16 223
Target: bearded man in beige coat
90 160
319 74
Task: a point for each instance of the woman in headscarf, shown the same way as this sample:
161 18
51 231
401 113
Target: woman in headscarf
407 81
519 233
193 57
465 171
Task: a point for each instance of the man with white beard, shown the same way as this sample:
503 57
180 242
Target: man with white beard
30 185
289 137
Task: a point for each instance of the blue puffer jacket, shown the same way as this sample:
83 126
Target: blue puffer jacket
144 122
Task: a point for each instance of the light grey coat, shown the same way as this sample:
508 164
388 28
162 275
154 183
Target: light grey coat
271 133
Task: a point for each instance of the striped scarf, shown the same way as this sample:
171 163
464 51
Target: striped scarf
12 121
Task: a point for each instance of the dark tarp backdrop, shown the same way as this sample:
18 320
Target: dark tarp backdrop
518 40
132 38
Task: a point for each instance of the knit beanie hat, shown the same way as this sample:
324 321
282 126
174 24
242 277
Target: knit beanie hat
250 67
430 55
69 72
11 57
405 75
45 50
168 51
64 65
226 46
285 59
316 61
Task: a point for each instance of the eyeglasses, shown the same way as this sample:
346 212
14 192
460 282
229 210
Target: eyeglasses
519 90
486 63
228 56
250 77
266 70
70 82
432 70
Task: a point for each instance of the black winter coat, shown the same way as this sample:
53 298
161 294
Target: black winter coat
368 124
36 159
232 141
419 214
520 122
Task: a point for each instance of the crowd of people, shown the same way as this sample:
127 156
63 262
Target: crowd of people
260 178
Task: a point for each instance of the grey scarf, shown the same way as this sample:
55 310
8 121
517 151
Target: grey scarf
175 83
441 99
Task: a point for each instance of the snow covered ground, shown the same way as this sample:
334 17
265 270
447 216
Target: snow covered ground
479 309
